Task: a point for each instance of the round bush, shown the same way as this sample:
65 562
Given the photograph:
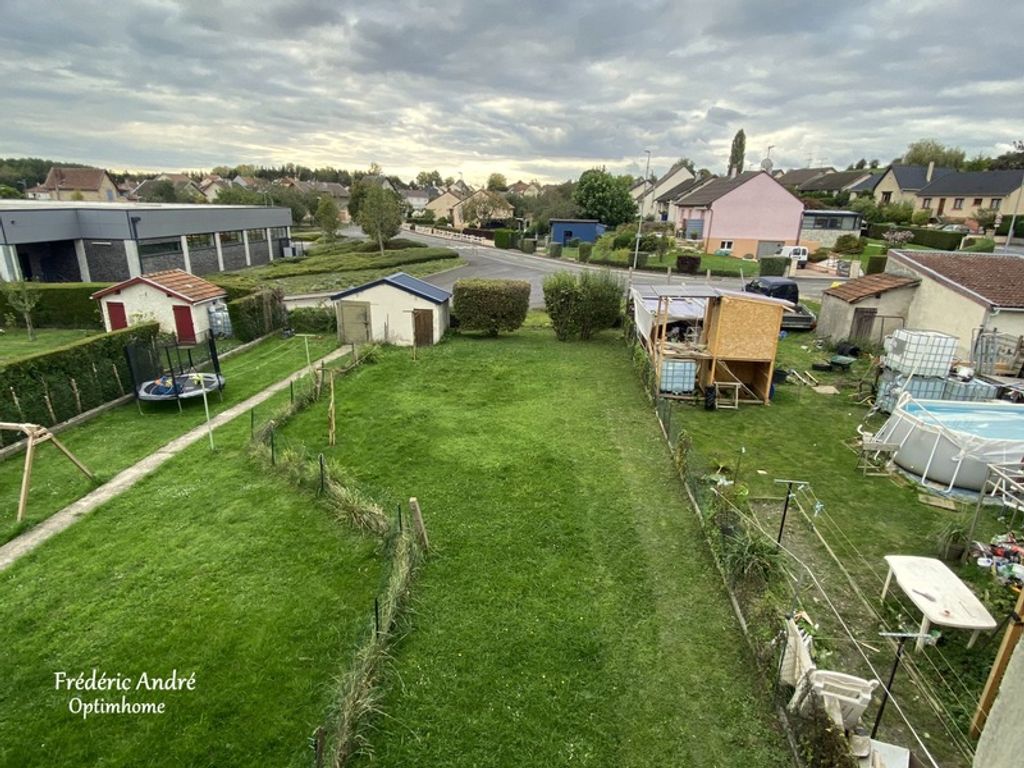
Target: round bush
490 305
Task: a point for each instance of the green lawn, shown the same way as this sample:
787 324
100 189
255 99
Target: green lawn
336 281
210 567
569 613
123 436
14 342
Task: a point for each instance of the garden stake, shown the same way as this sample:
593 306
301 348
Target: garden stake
291 391
273 457
321 474
376 615
252 423
399 517
785 507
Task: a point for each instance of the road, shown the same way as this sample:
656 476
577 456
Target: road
487 262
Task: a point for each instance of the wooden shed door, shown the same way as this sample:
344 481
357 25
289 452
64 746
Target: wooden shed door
423 327
116 313
183 325
863 321
353 322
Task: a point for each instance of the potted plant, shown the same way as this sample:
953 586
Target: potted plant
951 540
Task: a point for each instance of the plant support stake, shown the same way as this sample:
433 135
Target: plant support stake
785 507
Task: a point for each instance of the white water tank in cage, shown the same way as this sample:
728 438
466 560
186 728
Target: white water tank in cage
220 321
678 376
923 353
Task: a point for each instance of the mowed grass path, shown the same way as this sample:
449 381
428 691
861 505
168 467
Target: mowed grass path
569 613
119 438
208 566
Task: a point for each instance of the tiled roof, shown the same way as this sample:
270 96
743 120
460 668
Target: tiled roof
74 178
992 279
975 183
830 182
177 281
801 176
860 288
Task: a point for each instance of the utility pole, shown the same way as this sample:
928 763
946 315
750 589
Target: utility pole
640 221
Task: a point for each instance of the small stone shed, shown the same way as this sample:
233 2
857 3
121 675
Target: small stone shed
868 308
398 309
179 301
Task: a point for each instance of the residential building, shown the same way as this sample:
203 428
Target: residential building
565 230
675 176
75 241
900 183
184 187
443 205
866 308
796 177
416 199
747 214
962 195
665 203
253 183
821 228
459 218
833 183
211 186
525 189
84 184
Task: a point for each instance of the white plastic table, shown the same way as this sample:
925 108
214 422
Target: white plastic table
939 594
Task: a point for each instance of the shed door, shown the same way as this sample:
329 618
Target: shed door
183 325
863 321
423 327
117 315
353 322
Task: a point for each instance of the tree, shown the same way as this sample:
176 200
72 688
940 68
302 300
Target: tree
449 180
685 162
874 163
978 163
380 214
159 192
428 178
327 217
22 296
924 151
986 218
497 182
9 193
1009 161
860 164
738 153
604 197
483 207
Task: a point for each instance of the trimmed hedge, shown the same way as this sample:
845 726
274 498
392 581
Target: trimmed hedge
586 251
62 305
555 250
89 363
773 266
503 238
490 305
313 320
848 244
581 304
688 264
529 245
983 245
258 314
876 264
930 238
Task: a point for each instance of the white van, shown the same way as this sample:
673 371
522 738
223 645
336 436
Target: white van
797 252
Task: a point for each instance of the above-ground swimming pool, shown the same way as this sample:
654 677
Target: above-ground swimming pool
953 443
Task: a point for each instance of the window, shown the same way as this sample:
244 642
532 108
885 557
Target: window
996 201
278 233
958 204
926 203
886 198
726 245
204 240
230 237
159 246
257 235
977 202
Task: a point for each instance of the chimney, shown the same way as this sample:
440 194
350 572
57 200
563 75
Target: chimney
931 170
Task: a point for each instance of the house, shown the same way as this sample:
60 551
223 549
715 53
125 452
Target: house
749 213
525 189
899 183
665 203
638 191
85 184
398 309
443 205
461 188
416 199
833 183
960 293
587 230
253 183
184 188
500 210
180 302
211 186
675 176
821 228
962 195
75 241
798 176
866 308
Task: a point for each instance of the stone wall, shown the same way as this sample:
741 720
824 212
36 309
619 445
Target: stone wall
234 256
204 260
825 238
107 260
162 261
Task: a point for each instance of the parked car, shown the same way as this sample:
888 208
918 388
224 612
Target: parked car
963 228
800 318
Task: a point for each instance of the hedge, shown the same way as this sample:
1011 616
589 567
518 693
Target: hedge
583 303
529 245
687 264
48 381
982 245
876 264
555 250
503 238
490 305
62 305
586 251
258 314
930 238
773 266
313 320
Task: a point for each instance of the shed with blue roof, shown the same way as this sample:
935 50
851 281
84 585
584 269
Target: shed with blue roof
398 309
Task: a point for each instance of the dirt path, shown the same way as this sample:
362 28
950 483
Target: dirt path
57 522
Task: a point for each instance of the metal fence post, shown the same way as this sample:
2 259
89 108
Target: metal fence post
321 474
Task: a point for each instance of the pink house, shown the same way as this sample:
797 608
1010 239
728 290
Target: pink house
750 213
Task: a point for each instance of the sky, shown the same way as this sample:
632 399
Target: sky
532 89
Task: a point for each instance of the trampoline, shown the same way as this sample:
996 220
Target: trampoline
180 387
167 371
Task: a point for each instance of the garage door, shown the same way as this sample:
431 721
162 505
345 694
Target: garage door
768 247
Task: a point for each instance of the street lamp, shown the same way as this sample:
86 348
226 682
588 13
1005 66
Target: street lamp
640 218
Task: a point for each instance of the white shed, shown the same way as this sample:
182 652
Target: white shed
398 309
179 301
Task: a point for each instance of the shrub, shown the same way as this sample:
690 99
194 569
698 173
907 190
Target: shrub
574 242
688 264
529 245
555 250
258 314
774 265
932 238
849 244
819 255
313 320
897 213
503 238
920 218
62 305
981 245
90 363
580 305
876 264
641 260
491 305
586 250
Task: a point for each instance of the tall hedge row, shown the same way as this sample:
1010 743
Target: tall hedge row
62 305
581 304
258 314
876 264
32 387
313 320
491 305
503 238
773 265
931 238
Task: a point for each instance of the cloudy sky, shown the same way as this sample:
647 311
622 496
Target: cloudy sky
531 88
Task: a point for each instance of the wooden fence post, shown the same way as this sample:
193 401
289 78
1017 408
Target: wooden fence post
417 519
